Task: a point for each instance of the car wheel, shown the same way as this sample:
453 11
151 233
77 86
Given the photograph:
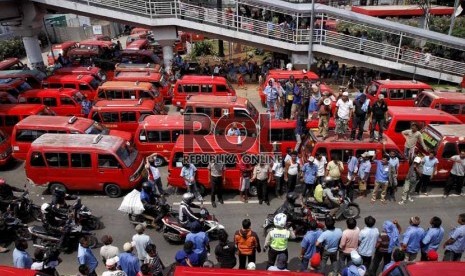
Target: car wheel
112 190
52 187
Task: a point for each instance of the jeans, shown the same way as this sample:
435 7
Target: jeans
408 189
217 189
291 182
309 188
156 184
378 185
454 180
262 190
423 184
272 255
280 188
271 105
379 256
451 256
380 123
357 123
344 259
332 256
366 261
245 259
279 113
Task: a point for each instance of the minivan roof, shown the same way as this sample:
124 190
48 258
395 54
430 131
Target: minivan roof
77 70
298 74
118 104
65 44
216 101
129 85
200 271
77 141
10 82
48 91
55 122
408 112
449 95
20 109
449 130
21 73
197 79
6 63
435 268
69 78
146 76
171 121
404 83
215 143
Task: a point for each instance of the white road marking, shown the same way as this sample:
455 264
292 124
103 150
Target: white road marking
434 196
225 202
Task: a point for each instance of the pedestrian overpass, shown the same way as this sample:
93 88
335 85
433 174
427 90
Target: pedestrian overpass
171 15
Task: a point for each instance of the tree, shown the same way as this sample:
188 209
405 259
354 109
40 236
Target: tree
425 5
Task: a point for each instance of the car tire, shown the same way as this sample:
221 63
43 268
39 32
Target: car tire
53 186
112 190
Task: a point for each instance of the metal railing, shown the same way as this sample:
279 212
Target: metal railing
178 9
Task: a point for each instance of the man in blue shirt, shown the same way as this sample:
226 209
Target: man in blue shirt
381 179
21 259
200 241
309 171
352 166
455 245
393 172
432 238
186 256
363 173
129 262
329 240
308 244
397 256
411 242
368 238
85 256
271 93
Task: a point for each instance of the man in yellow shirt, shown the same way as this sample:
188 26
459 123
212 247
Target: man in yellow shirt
318 194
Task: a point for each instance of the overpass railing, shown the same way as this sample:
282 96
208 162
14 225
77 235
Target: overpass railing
178 9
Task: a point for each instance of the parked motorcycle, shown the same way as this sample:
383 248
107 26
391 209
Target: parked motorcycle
347 209
13 228
25 209
42 238
162 207
175 232
299 225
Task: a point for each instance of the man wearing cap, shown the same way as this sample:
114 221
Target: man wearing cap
411 241
281 263
324 112
356 267
363 173
86 256
378 116
309 171
344 110
308 244
271 93
140 241
112 267
360 114
128 262
411 180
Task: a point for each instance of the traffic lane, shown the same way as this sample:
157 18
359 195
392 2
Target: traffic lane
231 215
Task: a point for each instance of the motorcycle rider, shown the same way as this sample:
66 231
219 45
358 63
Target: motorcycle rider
59 198
288 207
150 202
276 240
7 196
56 226
186 216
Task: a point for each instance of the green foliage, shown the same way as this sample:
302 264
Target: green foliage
12 48
203 48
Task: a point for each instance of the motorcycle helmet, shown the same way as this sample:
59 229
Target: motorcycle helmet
44 207
291 197
59 191
280 220
146 186
2 181
188 198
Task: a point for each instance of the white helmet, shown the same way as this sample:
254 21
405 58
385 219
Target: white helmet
188 197
417 159
44 207
280 220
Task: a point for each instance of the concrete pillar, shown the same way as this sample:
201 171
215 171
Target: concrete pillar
33 52
167 53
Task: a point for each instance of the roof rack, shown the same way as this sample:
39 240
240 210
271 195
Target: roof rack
72 120
140 101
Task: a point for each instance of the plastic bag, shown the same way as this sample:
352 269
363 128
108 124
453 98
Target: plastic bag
132 204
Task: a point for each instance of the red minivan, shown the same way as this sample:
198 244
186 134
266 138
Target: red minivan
396 92
5 148
158 133
81 70
32 127
86 84
58 49
84 162
64 102
447 101
11 114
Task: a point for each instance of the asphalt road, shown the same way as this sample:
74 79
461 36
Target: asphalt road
231 214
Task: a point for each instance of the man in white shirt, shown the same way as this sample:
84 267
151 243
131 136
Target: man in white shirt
344 110
320 162
278 171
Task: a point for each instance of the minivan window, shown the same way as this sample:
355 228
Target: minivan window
81 160
69 85
128 117
27 135
425 101
128 154
396 94
55 85
56 159
11 120
411 94
107 161
186 88
451 108
156 136
37 160
66 101
449 150
343 155
402 125
50 101
205 110
34 100
208 88
110 117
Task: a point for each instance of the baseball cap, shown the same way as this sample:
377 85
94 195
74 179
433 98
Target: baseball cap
346 94
112 261
365 154
311 159
251 266
316 260
417 159
432 255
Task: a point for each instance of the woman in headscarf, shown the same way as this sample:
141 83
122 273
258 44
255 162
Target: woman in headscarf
387 241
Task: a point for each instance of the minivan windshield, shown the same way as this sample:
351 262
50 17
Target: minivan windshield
97 128
128 154
94 83
252 110
425 101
